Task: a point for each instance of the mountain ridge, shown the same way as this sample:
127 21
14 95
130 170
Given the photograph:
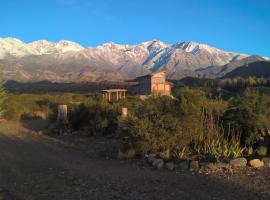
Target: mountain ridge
69 61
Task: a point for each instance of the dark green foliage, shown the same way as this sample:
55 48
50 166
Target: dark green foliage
249 115
177 126
97 116
153 126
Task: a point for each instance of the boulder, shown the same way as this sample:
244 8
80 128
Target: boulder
266 162
158 163
256 163
223 165
151 158
194 165
209 166
169 166
238 162
183 165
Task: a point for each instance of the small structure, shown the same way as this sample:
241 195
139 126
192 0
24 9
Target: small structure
114 94
154 83
62 114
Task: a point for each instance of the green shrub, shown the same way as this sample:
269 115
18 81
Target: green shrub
249 115
261 151
180 127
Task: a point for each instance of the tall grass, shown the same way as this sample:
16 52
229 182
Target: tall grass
214 144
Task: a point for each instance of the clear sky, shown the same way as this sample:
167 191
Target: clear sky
233 25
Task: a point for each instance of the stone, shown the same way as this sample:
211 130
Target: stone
158 163
169 166
238 162
194 165
151 158
183 165
223 165
130 153
256 163
266 162
210 166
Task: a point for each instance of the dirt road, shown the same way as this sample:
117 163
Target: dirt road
37 167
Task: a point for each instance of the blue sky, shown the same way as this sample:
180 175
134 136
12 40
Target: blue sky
232 25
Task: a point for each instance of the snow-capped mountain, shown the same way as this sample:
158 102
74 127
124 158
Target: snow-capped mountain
15 47
69 61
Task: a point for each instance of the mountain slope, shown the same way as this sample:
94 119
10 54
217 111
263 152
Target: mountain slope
68 61
256 69
219 71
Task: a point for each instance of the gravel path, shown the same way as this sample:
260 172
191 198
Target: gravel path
37 167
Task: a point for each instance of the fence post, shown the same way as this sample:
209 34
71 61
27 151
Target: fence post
124 112
62 114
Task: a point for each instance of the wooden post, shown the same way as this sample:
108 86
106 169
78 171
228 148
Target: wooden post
62 114
124 112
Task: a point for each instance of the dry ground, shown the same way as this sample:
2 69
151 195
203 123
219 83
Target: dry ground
37 167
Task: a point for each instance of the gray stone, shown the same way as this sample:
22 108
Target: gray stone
151 158
158 163
256 163
266 162
183 165
169 166
238 162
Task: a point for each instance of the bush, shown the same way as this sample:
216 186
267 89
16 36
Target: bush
180 127
261 151
249 115
96 115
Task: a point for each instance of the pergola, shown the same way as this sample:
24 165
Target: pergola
114 94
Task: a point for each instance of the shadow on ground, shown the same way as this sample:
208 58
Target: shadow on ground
37 167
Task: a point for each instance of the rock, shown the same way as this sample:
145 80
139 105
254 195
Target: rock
256 163
130 153
194 165
40 133
223 165
183 165
266 162
158 163
210 166
169 166
151 158
238 162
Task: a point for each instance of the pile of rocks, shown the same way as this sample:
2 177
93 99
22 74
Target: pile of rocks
195 165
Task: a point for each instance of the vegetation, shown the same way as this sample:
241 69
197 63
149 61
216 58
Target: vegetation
195 123
2 96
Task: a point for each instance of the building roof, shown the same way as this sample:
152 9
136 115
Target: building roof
147 75
115 90
169 83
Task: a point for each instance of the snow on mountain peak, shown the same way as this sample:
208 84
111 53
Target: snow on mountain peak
17 48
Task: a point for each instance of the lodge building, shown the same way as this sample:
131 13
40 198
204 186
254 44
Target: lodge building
154 83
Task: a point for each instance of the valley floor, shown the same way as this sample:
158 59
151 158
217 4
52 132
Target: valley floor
38 167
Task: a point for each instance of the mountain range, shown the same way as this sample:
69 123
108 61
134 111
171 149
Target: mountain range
67 61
